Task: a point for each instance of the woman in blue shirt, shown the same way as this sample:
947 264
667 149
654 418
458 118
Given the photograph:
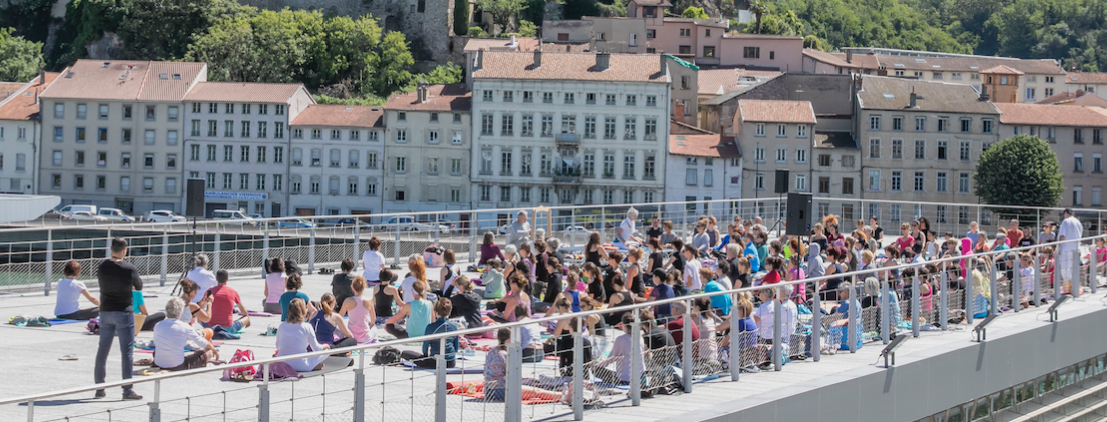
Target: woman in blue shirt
293 285
432 348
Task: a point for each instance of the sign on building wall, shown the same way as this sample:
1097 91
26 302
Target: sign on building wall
237 196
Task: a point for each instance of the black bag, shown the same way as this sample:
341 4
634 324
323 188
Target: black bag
290 268
387 355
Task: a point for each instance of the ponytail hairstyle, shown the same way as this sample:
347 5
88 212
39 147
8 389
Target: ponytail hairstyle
326 303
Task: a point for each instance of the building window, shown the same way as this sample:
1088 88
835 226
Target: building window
874 148
963 183
801 182
874 122
801 155
505 163
920 124
401 164
759 129
847 186
897 149
751 52
648 169
874 180
824 185
401 135
759 155
987 125
455 166
630 129
941 182
570 98
801 131
759 181
824 160
651 101
505 194
547 97
943 147
897 181
897 123
628 167
609 166
609 128
1078 136
1097 163
1078 163
781 154
920 181
709 51
1077 196
507 125
547 125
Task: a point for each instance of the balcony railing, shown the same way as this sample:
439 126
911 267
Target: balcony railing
568 138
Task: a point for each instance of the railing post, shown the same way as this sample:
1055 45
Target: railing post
396 229
107 246
1057 270
578 371
776 330
513 390
263 396
735 342
686 348
436 230
215 253
359 391
915 306
636 362
1093 279
816 324
474 226
885 311
357 241
265 250
440 377
572 223
993 286
164 255
155 412
48 274
943 298
970 294
1016 286
1074 286
311 251
1037 287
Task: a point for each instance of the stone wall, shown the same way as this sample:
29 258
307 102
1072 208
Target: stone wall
427 24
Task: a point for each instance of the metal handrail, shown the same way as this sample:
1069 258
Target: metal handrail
166 225
643 305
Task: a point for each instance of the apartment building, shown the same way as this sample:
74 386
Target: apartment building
1090 82
921 141
1039 78
601 34
1077 98
564 128
238 143
701 166
428 143
337 160
112 133
835 173
779 133
21 134
1076 134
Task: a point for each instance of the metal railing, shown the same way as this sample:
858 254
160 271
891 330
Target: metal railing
658 369
32 255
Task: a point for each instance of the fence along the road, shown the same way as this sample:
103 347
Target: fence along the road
424 396
33 256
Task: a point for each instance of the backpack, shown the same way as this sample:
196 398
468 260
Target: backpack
290 268
93 326
387 355
246 372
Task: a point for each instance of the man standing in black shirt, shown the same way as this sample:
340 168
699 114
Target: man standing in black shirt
117 318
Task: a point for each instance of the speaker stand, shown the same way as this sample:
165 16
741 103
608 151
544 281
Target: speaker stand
779 202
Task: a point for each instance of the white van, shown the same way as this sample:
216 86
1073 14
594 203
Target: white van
232 217
70 209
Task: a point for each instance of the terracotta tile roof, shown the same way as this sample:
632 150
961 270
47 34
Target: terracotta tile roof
502 44
745 36
1002 70
1077 98
1086 78
859 61
722 81
960 63
714 23
681 128
1051 115
340 116
889 93
566 47
571 66
776 111
439 98
843 140
127 80
652 2
9 88
22 104
703 145
243 92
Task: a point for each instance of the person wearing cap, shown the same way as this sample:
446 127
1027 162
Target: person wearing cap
1070 230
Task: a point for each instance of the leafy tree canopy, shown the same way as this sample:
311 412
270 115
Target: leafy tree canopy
20 59
1021 170
694 13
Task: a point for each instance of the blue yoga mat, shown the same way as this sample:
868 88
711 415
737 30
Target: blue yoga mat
56 321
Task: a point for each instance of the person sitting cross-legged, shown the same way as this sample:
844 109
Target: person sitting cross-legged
171 335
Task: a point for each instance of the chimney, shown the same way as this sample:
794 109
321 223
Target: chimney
849 56
480 59
537 58
513 45
421 92
678 112
603 60
664 68
42 76
984 93
914 99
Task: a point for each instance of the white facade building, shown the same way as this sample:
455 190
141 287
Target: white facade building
701 166
237 141
337 160
565 128
21 134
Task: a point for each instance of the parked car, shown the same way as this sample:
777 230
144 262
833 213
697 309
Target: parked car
409 224
428 227
164 216
70 209
350 222
54 215
234 217
115 214
87 216
298 223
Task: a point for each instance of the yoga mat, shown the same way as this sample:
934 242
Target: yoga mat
57 321
260 314
331 364
455 370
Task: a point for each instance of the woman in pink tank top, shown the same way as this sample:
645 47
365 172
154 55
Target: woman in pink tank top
360 312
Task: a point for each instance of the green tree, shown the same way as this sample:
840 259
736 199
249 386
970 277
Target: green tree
1020 170
20 60
694 13
393 62
450 73
758 8
502 11
461 17
527 29
535 11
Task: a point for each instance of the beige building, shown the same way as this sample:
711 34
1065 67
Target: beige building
700 167
835 173
1076 134
1094 83
21 134
779 135
237 141
427 139
920 141
112 133
1041 78
337 160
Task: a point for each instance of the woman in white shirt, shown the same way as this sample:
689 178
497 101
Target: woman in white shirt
373 262
295 336
70 291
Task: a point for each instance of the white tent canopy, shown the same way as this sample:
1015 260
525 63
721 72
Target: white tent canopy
15 208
